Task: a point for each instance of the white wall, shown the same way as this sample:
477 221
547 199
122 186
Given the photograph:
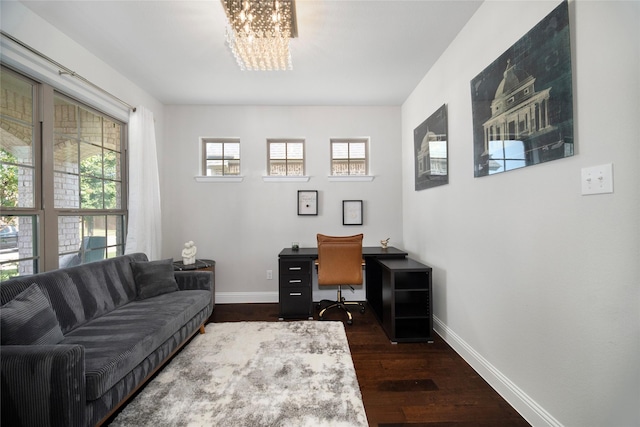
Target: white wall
536 285
243 226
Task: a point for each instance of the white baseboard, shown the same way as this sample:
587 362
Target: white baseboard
525 405
246 297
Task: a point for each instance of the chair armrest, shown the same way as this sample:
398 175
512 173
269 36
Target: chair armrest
195 280
43 385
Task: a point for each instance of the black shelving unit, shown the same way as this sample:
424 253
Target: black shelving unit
406 308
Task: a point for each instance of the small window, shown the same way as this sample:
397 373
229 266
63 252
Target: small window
221 157
349 157
286 157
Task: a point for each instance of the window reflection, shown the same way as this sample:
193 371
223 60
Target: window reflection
506 155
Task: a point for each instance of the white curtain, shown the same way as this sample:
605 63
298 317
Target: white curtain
145 231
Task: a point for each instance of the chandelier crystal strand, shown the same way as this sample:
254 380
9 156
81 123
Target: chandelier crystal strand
259 31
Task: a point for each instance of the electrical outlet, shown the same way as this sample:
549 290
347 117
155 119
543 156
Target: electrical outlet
597 179
269 274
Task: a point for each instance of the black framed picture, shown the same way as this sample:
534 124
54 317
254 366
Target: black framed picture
522 103
307 202
430 150
352 212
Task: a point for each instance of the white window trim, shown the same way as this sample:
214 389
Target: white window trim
352 178
216 178
285 178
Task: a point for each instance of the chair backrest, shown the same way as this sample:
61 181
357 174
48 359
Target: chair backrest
339 260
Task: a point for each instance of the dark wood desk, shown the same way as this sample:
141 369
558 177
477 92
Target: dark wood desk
367 251
398 290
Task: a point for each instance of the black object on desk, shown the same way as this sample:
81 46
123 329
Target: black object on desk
398 290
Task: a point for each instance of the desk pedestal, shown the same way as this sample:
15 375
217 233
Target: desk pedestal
295 296
399 293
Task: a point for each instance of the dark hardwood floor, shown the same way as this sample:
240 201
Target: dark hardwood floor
406 384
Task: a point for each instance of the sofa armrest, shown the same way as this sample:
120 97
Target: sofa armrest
43 385
195 280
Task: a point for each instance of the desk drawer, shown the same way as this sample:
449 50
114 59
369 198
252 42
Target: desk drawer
295 280
295 302
295 266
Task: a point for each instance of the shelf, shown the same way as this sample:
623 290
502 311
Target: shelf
412 297
412 311
413 329
411 281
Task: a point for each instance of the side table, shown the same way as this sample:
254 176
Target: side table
201 265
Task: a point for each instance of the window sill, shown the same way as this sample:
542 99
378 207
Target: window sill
351 178
285 178
218 178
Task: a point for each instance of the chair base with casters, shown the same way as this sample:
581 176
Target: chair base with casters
340 304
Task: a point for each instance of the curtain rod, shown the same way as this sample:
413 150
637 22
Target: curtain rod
66 71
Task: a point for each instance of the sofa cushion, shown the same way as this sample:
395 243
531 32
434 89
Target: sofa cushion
120 340
29 319
154 278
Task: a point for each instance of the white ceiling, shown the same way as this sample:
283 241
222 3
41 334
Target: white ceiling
348 52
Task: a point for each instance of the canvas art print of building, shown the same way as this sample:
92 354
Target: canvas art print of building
523 102
430 149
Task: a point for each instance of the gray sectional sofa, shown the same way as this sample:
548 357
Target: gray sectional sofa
78 342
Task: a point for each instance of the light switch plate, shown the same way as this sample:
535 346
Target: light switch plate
597 179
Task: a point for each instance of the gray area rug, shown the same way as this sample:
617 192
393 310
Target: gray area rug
255 374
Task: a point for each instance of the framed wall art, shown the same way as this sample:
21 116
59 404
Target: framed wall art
522 103
307 202
430 150
352 212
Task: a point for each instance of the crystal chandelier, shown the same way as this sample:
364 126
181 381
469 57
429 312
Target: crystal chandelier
258 32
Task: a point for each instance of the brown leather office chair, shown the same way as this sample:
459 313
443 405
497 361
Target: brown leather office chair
339 263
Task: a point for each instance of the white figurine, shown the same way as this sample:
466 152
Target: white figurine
189 253
384 243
